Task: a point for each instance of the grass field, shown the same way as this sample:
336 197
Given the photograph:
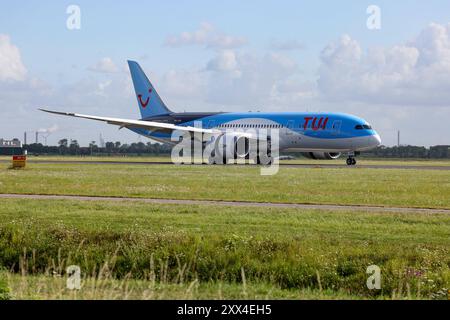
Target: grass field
54 287
137 250
360 186
300 160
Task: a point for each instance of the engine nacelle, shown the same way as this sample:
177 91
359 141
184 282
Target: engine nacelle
234 146
241 147
237 146
322 155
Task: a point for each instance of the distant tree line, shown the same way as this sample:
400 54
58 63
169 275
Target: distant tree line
434 152
66 147
72 147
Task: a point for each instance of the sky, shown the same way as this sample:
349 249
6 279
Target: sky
391 68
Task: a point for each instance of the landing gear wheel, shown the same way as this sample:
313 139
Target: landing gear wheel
351 161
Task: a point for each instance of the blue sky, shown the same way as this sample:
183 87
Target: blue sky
62 66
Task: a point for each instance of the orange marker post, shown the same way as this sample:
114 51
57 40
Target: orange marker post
19 161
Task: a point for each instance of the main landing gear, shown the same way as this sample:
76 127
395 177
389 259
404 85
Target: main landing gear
351 161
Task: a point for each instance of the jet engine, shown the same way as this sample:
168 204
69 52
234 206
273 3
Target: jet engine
234 146
322 155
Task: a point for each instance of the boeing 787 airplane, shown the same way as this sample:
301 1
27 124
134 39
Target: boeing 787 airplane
316 135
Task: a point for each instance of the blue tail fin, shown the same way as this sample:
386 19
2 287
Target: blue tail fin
150 104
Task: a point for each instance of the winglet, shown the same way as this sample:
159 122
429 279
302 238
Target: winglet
58 112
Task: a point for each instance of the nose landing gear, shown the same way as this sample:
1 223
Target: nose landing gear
351 161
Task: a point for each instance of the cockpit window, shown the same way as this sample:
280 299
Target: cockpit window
363 126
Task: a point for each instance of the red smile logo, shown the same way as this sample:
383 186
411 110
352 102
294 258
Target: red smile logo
144 103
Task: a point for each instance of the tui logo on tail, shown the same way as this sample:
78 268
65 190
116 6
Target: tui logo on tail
144 103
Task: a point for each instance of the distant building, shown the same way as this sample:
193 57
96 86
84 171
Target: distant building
10 147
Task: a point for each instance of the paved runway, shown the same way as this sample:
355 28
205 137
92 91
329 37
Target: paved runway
330 207
293 165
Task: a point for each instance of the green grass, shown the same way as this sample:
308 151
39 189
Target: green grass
125 158
300 160
155 251
174 251
374 161
45 287
360 186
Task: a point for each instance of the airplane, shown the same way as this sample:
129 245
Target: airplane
315 135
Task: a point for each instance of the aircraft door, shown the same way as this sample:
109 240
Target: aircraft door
336 127
290 127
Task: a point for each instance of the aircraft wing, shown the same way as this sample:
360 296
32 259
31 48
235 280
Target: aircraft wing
149 125
127 123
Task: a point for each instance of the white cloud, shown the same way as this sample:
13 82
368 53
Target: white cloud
224 61
206 36
414 73
105 65
248 80
189 84
11 66
236 80
102 86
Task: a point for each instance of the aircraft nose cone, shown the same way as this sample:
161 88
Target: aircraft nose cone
375 140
